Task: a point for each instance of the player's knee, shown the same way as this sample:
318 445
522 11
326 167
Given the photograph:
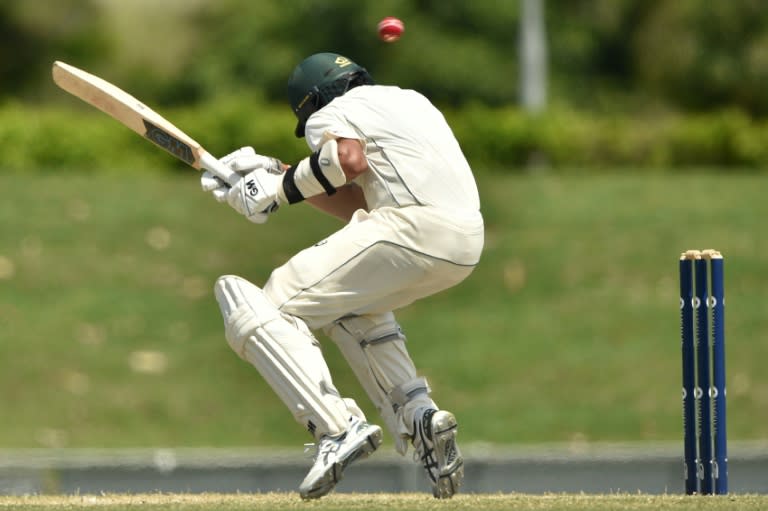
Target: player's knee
244 308
366 330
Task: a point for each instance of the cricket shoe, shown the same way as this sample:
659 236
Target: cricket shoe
434 441
335 454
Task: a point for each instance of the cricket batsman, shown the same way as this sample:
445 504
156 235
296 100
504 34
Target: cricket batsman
383 160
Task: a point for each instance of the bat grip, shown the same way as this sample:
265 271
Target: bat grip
212 164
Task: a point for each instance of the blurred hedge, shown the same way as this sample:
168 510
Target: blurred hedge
510 138
505 139
84 138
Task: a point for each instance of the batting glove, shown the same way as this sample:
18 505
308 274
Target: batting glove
245 159
255 195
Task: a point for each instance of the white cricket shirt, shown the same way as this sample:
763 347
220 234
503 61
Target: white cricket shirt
413 156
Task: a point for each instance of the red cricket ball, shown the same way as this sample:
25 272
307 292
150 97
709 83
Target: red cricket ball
390 29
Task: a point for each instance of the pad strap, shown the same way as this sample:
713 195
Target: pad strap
401 394
318 173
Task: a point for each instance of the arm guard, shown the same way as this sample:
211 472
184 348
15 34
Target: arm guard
320 172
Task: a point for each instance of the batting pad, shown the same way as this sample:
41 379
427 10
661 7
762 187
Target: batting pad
285 353
374 347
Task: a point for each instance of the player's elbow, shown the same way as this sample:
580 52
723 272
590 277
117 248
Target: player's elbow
351 158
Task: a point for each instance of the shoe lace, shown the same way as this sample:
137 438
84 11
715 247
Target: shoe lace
328 444
324 447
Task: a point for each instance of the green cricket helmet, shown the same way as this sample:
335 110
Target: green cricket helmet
319 79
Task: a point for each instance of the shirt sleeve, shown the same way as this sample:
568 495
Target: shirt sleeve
328 123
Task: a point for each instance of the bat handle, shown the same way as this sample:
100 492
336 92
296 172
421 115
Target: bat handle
211 163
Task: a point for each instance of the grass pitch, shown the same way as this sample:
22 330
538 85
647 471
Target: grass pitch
376 502
568 331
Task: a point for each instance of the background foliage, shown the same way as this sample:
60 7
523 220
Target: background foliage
690 55
632 83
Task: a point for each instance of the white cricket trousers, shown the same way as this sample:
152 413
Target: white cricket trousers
380 261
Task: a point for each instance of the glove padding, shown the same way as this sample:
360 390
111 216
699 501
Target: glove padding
255 195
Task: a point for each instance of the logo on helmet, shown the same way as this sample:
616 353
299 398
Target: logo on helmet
342 61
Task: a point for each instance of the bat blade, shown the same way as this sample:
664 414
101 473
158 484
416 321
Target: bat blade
137 116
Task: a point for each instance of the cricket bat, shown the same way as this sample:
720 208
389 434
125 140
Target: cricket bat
134 114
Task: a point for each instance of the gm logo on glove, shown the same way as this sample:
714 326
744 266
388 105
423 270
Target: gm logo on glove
252 189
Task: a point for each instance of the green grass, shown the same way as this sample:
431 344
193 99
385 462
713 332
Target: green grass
398 502
568 331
